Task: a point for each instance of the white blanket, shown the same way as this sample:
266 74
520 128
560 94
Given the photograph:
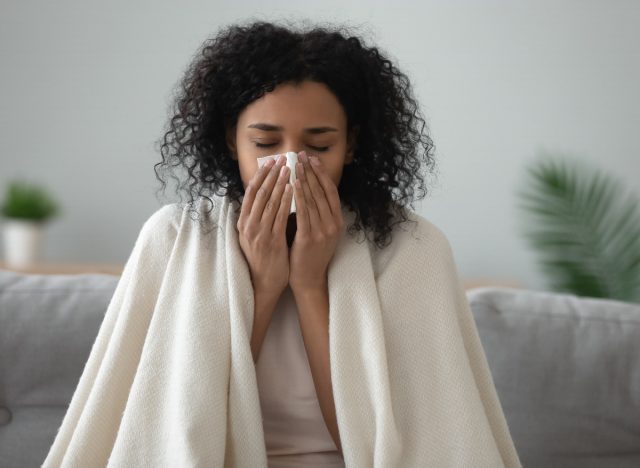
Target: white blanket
170 380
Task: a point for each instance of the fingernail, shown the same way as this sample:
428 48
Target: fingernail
314 160
282 159
303 156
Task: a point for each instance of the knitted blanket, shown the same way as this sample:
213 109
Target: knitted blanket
170 380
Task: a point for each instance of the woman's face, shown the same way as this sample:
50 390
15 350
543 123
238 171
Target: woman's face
306 117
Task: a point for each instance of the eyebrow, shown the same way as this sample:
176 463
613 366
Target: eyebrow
275 128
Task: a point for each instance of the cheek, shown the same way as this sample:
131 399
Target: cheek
247 169
334 173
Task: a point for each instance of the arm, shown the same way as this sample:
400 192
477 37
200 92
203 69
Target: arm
265 305
313 313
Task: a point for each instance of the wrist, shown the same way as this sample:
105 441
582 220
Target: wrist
265 300
309 292
268 291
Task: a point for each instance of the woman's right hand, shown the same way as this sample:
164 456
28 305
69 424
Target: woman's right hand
262 224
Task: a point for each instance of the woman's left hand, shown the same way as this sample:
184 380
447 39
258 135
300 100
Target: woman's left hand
319 226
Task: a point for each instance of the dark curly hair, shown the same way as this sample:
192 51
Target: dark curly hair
242 62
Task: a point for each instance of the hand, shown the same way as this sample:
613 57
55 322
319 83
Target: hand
261 227
319 226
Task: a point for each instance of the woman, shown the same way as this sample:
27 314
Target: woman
404 397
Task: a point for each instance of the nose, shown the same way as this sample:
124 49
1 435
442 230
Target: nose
291 143
293 147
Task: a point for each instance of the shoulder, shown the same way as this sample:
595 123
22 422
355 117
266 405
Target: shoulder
418 242
424 233
168 215
169 219
164 223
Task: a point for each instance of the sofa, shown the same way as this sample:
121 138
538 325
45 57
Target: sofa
566 368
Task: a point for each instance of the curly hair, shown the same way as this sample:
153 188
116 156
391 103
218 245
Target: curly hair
242 62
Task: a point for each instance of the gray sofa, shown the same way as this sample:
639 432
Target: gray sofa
567 369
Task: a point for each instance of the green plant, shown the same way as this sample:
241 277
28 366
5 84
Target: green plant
29 202
586 231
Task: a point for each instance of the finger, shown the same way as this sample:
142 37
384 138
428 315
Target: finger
330 189
302 217
273 205
250 190
280 224
320 197
264 193
312 208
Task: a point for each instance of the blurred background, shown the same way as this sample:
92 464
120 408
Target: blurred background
86 86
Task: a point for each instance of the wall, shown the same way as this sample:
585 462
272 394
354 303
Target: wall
85 88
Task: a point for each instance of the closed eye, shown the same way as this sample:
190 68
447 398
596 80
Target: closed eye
315 148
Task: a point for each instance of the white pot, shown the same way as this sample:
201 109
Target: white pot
22 241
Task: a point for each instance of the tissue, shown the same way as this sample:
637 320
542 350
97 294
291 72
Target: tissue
292 159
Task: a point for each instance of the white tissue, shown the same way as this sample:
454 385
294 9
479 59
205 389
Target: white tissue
292 159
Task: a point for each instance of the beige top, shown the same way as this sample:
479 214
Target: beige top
295 432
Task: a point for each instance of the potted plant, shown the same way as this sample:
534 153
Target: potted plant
585 228
26 209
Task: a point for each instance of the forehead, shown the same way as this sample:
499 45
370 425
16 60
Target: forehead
308 103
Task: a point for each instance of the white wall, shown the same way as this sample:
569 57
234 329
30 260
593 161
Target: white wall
85 87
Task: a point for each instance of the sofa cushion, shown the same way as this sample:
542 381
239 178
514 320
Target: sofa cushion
567 371
48 324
